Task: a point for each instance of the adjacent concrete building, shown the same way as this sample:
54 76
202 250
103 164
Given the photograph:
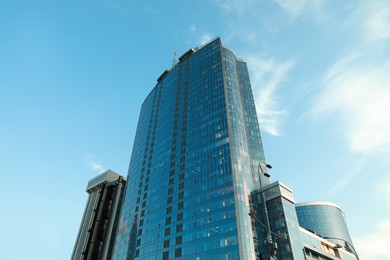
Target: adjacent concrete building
283 221
291 240
327 220
318 248
97 229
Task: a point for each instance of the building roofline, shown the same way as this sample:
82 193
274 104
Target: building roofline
105 177
276 183
317 203
206 43
186 55
316 236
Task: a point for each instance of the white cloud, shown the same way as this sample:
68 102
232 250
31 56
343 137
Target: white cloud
294 6
237 7
354 170
297 7
373 18
205 38
383 191
267 76
358 93
375 245
94 165
200 38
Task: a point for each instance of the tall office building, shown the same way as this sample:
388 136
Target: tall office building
194 163
97 229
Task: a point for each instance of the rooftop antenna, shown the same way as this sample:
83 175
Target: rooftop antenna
174 62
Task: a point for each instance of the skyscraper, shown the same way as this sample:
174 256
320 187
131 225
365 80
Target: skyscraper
194 163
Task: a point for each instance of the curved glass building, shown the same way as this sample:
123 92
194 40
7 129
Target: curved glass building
326 220
194 163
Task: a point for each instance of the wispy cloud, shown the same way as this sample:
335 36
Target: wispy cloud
297 7
373 20
94 165
358 93
354 170
204 38
375 244
236 7
194 34
193 28
383 191
293 6
267 76
355 94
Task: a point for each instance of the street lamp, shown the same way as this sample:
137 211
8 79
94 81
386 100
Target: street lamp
277 235
263 166
337 246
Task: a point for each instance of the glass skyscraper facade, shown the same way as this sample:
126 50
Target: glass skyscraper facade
194 163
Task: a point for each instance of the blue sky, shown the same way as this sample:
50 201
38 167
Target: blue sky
73 75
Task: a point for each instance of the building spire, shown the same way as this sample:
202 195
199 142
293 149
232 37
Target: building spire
174 62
